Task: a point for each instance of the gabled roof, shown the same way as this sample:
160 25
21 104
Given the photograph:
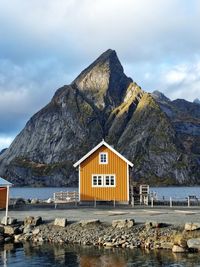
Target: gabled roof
98 146
3 182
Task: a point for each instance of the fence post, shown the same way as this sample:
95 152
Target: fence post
188 201
170 202
152 202
114 202
133 202
95 203
76 201
146 201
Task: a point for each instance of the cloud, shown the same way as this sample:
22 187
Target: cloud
183 81
45 44
5 141
177 81
26 88
73 29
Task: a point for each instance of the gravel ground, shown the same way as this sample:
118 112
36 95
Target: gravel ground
176 215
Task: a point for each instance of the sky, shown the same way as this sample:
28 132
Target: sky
45 44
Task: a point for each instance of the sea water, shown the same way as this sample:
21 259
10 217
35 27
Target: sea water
160 192
19 255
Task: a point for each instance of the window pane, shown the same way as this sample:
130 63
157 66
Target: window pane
99 180
107 180
112 180
94 180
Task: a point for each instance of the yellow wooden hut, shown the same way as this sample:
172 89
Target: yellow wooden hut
103 175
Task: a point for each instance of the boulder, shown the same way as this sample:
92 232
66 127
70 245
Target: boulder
10 220
194 243
36 231
38 221
1 239
60 222
19 202
8 239
180 241
108 244
126 223
34 221
27 229
178 249
34 201
49 200
89 222
192 226
152 224
1 230
10 230
17 237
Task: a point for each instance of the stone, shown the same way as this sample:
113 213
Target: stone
127 223
27 229
152 224
194 243
10 230
49 200
1 239
19 202
10 220
38 221
89 222
1 230
8 239
108 244
192 226
28 220
36 231
34 221
60 222
17 237
178 249
180 240
34 201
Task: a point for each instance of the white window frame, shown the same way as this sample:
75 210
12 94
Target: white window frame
109 185
98 176
103 153
103 178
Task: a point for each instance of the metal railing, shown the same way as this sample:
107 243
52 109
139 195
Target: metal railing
190 201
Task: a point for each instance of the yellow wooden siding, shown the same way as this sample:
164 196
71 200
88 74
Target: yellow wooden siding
115 166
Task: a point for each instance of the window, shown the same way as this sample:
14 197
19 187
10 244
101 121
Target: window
97 180
103 180
103 158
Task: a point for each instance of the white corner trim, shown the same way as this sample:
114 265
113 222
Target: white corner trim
128 183
79 183
97 147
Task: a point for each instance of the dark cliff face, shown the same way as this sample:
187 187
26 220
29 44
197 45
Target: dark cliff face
184 117
102 102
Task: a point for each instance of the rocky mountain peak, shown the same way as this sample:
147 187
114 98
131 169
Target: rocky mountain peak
160 136
196 101
157 95
104 81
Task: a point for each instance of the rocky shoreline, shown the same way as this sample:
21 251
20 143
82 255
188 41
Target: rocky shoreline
120 234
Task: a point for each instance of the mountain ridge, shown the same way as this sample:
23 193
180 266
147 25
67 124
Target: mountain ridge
161 137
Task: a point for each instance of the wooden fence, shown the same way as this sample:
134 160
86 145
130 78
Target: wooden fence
65 197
